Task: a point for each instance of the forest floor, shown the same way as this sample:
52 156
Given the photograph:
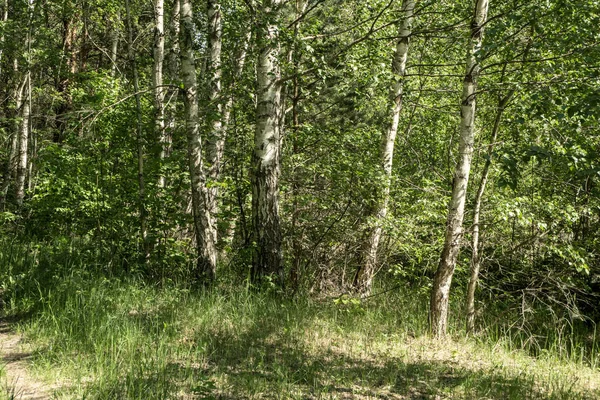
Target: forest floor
17 381
128 341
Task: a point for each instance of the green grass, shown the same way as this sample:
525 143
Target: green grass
110 338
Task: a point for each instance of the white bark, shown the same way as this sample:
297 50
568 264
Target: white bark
172 72
364 276
114 48
267 141
4 19
440 292
157 77
10 172
203 223
23 142
475 257
216 142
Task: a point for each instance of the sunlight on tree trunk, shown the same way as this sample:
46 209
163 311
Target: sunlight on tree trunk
267 141
440 293
363 279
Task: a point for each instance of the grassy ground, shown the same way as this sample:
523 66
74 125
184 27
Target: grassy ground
108 338
111 340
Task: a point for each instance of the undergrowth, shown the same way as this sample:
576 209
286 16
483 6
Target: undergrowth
106 337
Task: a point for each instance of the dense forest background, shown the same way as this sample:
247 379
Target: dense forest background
442 151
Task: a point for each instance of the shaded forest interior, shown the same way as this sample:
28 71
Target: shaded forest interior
303 198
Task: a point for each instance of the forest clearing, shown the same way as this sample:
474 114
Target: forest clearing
299 199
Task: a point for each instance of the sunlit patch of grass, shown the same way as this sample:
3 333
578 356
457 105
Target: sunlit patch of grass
132 341
107 338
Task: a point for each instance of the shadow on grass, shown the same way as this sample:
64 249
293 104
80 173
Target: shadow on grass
263 363
263 353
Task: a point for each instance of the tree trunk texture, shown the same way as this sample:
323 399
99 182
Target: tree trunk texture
139 138
114 48
203 223
216 137
363 278
268 255
170 109
157 77
440 292
23 142
476 257
10 171
4 19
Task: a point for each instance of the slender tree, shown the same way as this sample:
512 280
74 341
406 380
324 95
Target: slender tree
440 293
364 275
23 142
216 137
2 36
10 170
476 257
114 46
203 222
157 77
172 72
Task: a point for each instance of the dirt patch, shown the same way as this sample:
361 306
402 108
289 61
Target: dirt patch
17 382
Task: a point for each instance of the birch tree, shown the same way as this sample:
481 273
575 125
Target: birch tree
216 141
203 222
364 275
10 171
267 140
157 76
172 72
23 142
2 36
440 292
476 257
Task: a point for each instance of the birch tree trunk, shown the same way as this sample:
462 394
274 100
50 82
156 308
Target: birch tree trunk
4 19
440 292
216 137
364 275
10 172
114 48
157 77
139 138
172 70
476 257
23 143
265 160
203 223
